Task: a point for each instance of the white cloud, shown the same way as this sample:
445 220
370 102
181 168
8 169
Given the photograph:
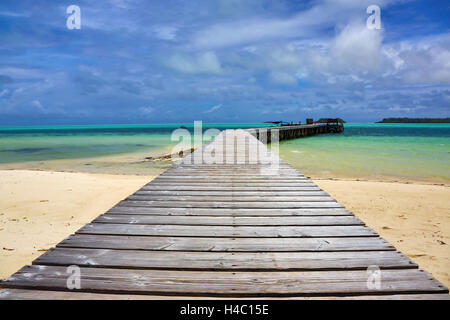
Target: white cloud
38 105
21 73
14 14
206 62
357 48
165 32
251 31
406 109
356 56
214 108
4 92
283 78
145 111
428 64
306 24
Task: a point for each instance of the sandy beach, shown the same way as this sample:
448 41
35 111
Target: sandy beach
413 217
40 208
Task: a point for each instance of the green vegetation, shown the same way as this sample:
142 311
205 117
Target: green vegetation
415 120
324 120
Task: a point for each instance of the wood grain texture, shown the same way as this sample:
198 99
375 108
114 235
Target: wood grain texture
262 261
228 231
24 294
230 221
213 283
225 244
122 208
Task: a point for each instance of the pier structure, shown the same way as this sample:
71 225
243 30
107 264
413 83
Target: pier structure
225 222
295 131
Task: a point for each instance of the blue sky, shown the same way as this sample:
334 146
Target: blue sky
136 61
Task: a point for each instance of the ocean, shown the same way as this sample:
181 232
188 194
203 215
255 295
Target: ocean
362 151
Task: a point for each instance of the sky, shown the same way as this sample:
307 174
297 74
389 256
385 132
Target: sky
136 61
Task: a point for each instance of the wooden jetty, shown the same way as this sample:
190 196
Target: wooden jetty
238 226
286 132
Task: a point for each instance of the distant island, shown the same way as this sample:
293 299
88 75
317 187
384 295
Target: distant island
415 120
324 120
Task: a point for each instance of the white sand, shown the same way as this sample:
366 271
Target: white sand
39 209
415 218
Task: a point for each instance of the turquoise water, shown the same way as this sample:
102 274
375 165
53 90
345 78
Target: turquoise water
116 149
18 144
398 151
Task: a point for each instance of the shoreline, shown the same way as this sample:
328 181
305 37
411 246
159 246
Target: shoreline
41 207
383 179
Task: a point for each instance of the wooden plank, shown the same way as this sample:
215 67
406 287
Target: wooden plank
306 183
237 178
231 174
223 283
231 198
230 221
249 261
228 193
151 187
24 294
123 209
242 176
226 244
235 205
227 231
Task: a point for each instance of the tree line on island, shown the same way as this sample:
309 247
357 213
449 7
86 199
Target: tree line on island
415 120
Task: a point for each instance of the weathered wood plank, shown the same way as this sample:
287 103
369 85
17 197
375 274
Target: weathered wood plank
231 198
231 193
226 244
306 183
246 173
122 208
232 205
24 294
227 231
230 221
263 261
207 283
151 187
237 177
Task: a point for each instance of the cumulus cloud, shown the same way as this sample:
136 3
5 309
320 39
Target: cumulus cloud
206 62
425 64
307 23
356 48
286 58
